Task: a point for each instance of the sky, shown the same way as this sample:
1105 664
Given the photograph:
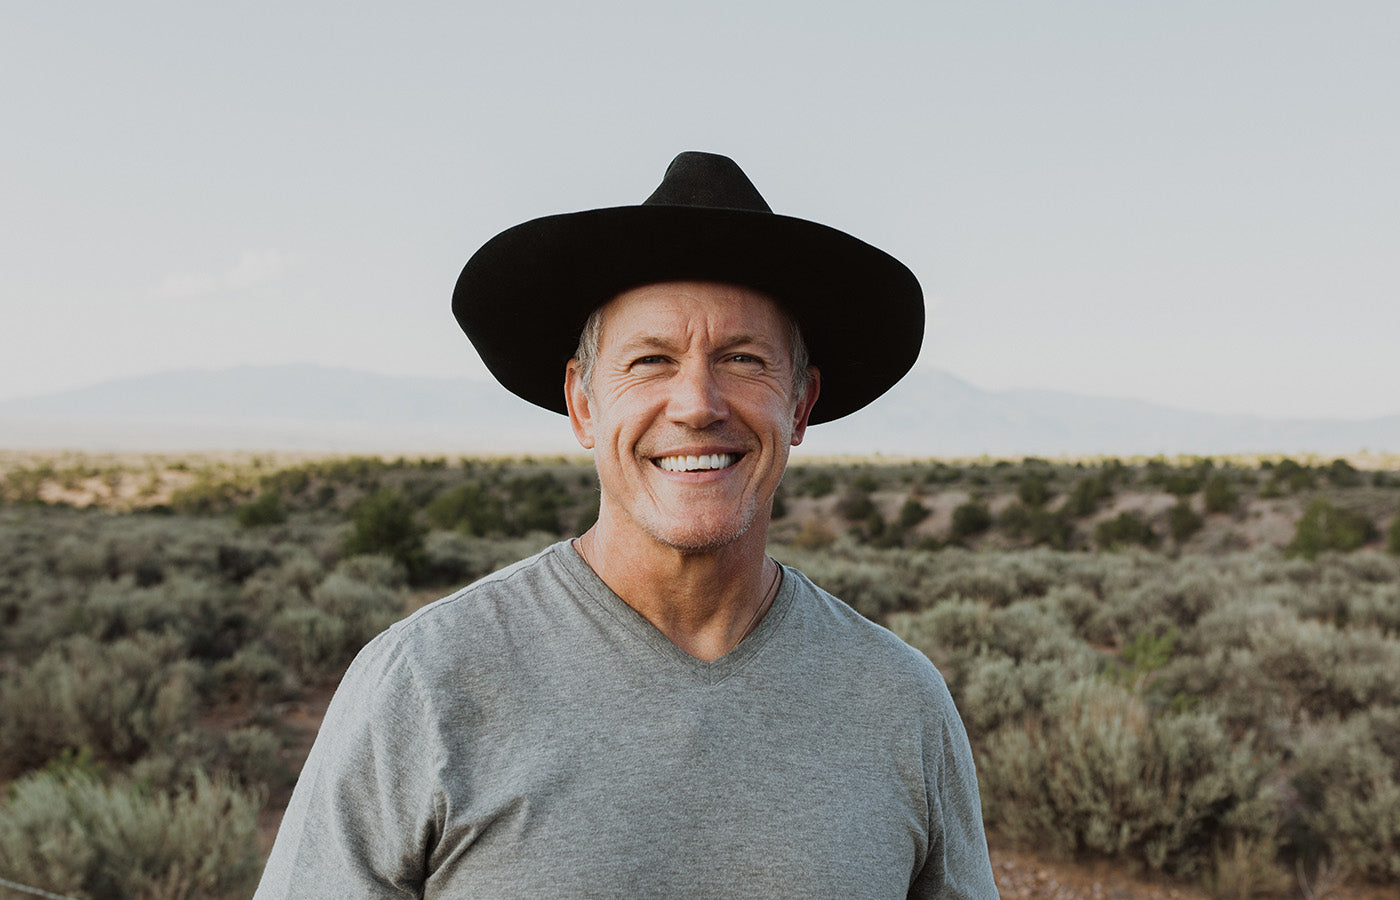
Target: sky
1192 203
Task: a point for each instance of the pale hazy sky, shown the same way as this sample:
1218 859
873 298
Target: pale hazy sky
1195 203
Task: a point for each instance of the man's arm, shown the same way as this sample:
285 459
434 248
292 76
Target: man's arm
363 815
957 866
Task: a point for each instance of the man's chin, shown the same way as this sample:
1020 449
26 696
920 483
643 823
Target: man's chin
702 537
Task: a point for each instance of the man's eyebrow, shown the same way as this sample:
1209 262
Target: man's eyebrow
660 342
645 342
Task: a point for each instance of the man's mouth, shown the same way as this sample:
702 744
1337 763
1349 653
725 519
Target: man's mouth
695 463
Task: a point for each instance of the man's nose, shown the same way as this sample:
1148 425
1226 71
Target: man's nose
697 398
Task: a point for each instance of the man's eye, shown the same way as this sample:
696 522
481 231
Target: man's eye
746 358
649 361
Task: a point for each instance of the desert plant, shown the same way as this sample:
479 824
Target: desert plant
1085 497
816 484
384 523
1033 490
69 832
119 699
535 504
363 594
1342 473
267 509
1126 529
969 520
856 506
1183 521
1182 484
911 514
1098 774
1220 495
315 643
252 676
1327 527
1293 476
1348 790
814 534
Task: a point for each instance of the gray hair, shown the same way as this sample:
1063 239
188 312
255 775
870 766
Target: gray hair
587 352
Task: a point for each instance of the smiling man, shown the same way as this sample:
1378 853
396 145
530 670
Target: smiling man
657 708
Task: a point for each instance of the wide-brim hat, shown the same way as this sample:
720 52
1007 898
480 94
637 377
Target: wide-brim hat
523 297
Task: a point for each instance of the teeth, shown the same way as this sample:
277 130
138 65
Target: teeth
696 463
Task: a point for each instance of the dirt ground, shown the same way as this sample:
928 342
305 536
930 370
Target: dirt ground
1022 875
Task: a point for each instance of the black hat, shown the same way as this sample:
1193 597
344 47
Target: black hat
524 296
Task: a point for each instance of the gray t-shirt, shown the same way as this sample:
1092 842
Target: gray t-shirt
533 736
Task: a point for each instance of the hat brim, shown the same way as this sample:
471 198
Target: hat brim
523 297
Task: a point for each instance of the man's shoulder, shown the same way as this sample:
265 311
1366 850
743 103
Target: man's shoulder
858 639
480 616
535 574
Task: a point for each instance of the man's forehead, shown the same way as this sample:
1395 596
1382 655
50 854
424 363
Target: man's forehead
694 304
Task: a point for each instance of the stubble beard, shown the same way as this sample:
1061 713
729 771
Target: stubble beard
690 537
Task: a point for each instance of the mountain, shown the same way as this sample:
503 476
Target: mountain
930 413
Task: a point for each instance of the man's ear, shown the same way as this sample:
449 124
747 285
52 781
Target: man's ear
580 405
803 412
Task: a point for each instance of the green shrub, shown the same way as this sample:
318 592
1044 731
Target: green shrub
856 506
1148 652
1220 495
252 676
70 833
1051 529
1125 530
969 520
1348 790
384 523
1326 527
1015 519
315 643
1263 669
817 484
1183 521
362 594
1293 476
453 559
117 699
911 514
266 510
994 691
1392 537
248 756
1085 497
1098 774
287 482
1343 474
865 482
1033 490
1182 484
535 504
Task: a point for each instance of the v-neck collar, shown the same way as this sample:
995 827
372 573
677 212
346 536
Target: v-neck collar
592 589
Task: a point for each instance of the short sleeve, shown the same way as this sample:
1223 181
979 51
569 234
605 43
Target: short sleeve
364 813
957 866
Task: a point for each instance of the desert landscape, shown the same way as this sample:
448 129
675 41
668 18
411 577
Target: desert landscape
1181 676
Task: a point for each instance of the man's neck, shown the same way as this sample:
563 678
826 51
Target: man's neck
704 602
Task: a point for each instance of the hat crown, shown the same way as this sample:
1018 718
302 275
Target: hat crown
707 179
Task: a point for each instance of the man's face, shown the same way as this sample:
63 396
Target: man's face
691 412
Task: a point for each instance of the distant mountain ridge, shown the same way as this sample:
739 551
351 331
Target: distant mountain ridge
318 408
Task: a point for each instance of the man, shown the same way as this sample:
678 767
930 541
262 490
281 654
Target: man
656 709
